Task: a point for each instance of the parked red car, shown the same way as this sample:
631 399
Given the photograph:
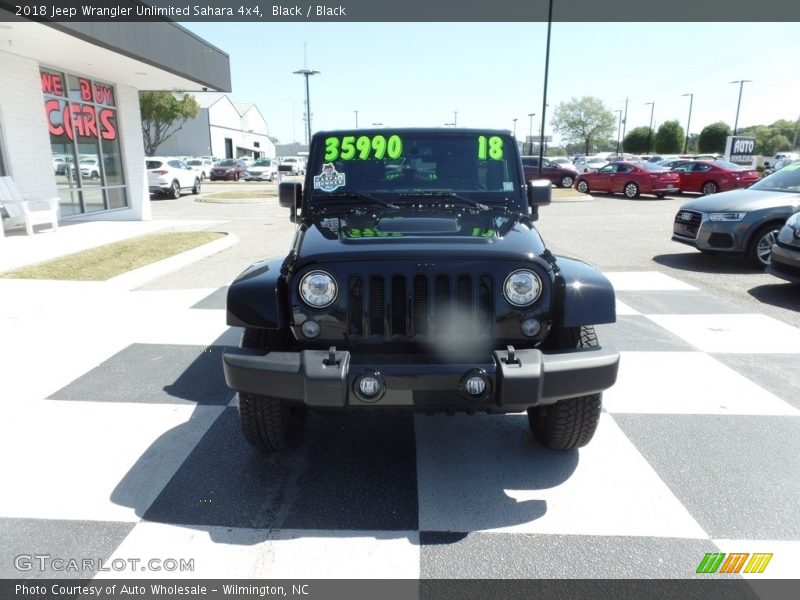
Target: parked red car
230 168
709 177
558 174
631 179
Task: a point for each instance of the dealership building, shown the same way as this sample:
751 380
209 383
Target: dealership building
70 124
223 129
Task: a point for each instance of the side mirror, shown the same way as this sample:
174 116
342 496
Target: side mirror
539 192
290 195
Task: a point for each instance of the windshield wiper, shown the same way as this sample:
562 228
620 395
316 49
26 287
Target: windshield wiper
359 197
449 195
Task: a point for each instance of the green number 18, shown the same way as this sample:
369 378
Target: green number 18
494 150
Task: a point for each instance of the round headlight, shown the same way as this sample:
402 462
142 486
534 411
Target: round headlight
522 288
318 289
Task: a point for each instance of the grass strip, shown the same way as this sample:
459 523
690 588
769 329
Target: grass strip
110 260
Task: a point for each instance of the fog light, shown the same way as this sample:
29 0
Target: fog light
370 386
475 385
531 327
310 328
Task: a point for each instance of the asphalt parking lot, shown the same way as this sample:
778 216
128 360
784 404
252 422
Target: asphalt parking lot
696 452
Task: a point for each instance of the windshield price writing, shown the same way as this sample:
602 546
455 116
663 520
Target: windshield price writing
349 147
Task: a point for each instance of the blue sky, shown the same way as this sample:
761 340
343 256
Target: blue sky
418 74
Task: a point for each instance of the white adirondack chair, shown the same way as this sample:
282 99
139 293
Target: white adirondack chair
39 211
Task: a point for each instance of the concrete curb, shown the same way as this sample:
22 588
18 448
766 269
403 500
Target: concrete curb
146 274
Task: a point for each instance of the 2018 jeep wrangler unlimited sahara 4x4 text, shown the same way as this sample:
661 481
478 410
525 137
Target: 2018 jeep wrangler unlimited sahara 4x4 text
417 279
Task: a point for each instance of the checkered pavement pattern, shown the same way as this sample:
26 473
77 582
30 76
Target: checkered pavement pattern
120 440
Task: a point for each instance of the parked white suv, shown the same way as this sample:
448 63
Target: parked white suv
294 165
171 176
202 167
588 164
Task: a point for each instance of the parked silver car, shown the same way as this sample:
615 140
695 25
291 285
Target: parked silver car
743 221
785 261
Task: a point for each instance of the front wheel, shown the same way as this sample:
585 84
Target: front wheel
270 424
196 188
759 251
175 190
569 423
582 186
566 181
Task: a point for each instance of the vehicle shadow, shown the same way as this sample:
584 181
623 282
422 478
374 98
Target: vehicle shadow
782 295
641 198
701 262
356 472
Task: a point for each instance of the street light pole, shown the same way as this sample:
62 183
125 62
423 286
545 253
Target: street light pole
355 111
688 123
650 131
619 127
455 118
741 83
306 73
544 91
515 126
624 124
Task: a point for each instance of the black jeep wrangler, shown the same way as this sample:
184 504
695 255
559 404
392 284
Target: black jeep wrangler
416 279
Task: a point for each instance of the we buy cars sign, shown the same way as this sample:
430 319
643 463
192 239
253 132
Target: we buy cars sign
740 150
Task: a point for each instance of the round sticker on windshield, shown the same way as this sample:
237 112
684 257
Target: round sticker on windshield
329 180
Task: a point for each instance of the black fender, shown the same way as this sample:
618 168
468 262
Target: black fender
587 297
258 297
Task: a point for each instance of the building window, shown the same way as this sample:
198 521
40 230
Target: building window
84 139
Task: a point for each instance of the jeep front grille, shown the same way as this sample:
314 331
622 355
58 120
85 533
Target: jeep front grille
396 307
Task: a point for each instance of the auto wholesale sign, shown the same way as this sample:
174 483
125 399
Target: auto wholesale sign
741 150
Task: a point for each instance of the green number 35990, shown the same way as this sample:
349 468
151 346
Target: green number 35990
363 147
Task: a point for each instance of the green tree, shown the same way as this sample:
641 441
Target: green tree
777 143
670 138
586 121
713 138
163 114
636 140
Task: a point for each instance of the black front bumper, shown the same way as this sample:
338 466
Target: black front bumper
310 377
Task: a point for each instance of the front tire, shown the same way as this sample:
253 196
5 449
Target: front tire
582 186
175 190
270 424
196 188
569 423
759 250
566 181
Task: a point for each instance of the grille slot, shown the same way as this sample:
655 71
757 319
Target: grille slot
399 305
377 306
421 305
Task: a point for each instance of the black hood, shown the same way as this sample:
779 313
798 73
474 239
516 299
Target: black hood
424 235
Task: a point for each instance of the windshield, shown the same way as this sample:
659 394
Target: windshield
226 163
785 180
262 162
415 162
195 163
596 161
